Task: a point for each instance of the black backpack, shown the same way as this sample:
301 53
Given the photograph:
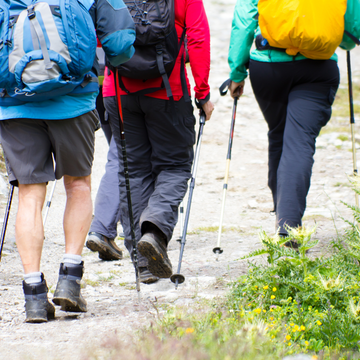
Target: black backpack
156 44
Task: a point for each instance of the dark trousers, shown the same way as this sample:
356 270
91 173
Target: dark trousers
295 99
159 145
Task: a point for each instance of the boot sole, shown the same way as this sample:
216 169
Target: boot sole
69 305
39 316
148 279
102 249
157 264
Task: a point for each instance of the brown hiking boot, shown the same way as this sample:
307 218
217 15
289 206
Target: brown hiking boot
152 245
107 248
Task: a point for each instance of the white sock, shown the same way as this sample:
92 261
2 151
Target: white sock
72 259
33 278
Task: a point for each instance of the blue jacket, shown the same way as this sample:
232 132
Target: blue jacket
116 31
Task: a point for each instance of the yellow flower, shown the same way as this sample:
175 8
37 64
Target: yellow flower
302 327
296 328
289 343
272 297
264 311
292 324
287 337
189 330
271 319
265 287
319 323
258 310
274 289
306 343
314 357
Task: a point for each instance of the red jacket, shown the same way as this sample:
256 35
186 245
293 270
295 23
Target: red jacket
191 13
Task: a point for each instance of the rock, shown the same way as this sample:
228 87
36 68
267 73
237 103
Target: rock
253 204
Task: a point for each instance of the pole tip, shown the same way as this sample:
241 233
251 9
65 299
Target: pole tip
217 250
177 279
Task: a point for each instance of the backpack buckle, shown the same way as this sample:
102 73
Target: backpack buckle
159 49
31 12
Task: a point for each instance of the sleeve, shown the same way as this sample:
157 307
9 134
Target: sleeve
198 43
352 24
116 30
242 36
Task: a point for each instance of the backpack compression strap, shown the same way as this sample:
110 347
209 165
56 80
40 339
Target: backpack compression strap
37 36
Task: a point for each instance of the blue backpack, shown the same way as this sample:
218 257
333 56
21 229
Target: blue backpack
47 49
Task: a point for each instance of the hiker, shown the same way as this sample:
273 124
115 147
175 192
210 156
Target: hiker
160 134
62 126
295 87
103 228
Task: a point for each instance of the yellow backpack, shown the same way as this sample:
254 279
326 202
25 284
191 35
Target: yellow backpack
313 28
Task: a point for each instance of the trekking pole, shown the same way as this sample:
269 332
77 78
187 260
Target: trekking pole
178 278
352 120
6 218
223 90
48 203
181 220
127 182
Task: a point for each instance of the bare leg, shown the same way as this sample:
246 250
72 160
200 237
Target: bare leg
78 212
29 232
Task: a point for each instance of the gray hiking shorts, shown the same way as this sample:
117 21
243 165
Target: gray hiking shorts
30 144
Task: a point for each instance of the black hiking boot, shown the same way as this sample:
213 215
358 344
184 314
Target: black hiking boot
146 277
153 246
67 293
106 247
37 307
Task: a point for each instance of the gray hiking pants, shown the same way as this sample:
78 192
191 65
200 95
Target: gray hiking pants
295 98
159 146
107 210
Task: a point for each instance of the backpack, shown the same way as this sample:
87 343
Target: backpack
47 49
156 44
313 28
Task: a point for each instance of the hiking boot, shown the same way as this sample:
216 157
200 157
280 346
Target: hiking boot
38 309
106 247
146 277
67 293
152 245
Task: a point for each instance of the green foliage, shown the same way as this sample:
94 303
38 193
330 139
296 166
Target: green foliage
293 304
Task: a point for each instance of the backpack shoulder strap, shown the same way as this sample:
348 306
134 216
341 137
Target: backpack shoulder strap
352 37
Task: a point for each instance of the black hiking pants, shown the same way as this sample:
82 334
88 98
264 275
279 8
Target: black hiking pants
159 145
295 99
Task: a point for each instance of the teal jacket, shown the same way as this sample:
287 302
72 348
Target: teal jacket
245 27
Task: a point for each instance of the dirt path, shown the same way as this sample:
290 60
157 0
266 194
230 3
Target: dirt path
112 300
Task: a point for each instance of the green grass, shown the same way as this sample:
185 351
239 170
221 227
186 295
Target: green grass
291 304
343 137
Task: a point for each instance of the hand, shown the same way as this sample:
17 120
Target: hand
208 108
236 89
